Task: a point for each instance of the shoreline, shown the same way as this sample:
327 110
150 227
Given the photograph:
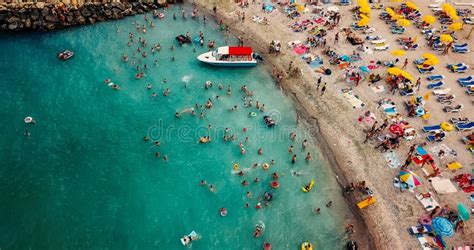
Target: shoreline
312 123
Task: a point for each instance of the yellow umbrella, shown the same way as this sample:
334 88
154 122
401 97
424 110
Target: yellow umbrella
394 71
300 8
446 38
397 52
453 15
396 17
364 9
431 61
429 56
447 7
411 5
429 19
403 22
455 26
364 16
363 22
390 11
407 76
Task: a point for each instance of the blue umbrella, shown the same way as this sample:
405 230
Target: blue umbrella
442 226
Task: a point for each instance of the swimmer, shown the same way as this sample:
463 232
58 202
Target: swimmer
294 173
275 175
256 180
229 90
27 133
157 143
249 194
290 149
245 183
166 92
173 59
212 189
220 86
177 115
174 16
172 47
272 162
246 205
329 204
153 94
244 130
232 137
164 80
304 144
193 113
246 139
255 165
202 183
157 154
156 62
116 87
317 210
241 173
242 151
309 157
260 151
201 115
165 158
293 159
145 138
262 108
148 86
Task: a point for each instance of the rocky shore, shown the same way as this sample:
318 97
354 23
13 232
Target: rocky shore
49 16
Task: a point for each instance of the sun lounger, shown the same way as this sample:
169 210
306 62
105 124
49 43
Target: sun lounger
428 203
470 90
407 92
467 84
466 79
425 241
378 41
412 47
441 91
420 229
431 128
435 78
435 85
371 38
465 126
381 48
464 45
453 109
461 50
424 70
433 138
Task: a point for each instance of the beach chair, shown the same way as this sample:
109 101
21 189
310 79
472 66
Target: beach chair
465 126
407 92
461 50
424 70
435 78
436 85
458 68
382 48
431 128
432 138
412 47
470 90
379 41
466 79
467 84
454 120
371 38
464 45
420 229
453 109
441 91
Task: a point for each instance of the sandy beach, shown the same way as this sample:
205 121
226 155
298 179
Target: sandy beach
334 122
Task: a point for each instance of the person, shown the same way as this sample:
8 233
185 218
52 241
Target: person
309 157
329 204
350 228
202 183
260 151
317 210
145 138
212 189
405 63
323 89
304 144
418 84
290 149
293 159
249 194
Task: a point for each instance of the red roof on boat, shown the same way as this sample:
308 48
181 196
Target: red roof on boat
240 51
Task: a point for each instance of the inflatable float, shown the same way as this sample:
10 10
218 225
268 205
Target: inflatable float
267 246
274 184
308 187
223 212
259 228
369 201
306 246
28 119
203 140
188 239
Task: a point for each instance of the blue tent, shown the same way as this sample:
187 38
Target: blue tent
442 226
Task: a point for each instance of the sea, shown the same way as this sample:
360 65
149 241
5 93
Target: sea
83 177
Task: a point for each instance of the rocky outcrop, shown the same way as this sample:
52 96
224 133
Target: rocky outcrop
49 16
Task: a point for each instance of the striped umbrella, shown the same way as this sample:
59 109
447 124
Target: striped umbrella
410 178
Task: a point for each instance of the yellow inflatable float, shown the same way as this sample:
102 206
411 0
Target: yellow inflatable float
369 201
306 246
308 187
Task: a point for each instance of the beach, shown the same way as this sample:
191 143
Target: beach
334 122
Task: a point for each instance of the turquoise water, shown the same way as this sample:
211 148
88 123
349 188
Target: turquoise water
85 179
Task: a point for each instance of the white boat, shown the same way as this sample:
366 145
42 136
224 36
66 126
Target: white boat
229 56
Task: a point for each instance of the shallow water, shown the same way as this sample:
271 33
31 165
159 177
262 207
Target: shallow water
84 178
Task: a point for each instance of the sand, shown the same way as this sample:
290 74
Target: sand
333 121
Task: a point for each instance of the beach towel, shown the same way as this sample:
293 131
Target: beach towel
392 159
424 241
378 89
428 203
421 151
353 100
300 49
443 186
315 64
437 148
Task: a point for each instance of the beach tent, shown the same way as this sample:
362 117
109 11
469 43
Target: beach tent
429 19
442 226
455 26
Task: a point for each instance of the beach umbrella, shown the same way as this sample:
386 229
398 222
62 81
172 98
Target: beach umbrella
397 52
411 5
407 76
453 14
364 16
363 22
446 38
365 9
430 59
463 212
390 11
455 26
403 22
447 7
300 8
429 19
442 227
396 17
409 178
394 71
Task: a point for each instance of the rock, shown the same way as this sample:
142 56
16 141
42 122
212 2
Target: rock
40 5
108 13
69 18
85 12
13 26
28 23
140 11
81 20
34 14
44 12
51 18
91 20
13 19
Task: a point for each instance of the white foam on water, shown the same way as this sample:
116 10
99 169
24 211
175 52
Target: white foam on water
186 78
